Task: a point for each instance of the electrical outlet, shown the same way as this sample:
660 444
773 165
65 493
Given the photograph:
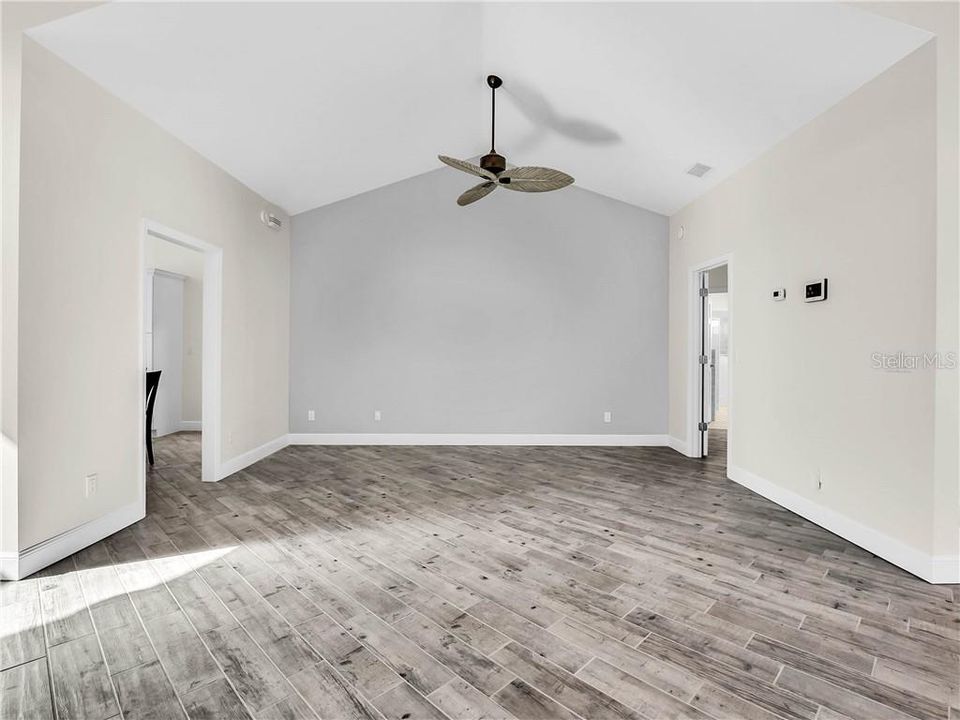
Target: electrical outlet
311 415
230 438
607 416
376 416
818 479
90 485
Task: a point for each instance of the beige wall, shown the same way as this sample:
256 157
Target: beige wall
854 196
165 255
943 18
14 19
91 169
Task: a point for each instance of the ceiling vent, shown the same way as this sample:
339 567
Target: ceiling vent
270 220
699 170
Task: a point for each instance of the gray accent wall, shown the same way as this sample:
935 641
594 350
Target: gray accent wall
522 313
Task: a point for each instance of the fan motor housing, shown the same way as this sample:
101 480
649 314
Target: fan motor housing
494 163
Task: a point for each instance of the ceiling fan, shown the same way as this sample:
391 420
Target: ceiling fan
493 167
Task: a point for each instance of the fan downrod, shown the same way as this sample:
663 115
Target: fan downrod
493 161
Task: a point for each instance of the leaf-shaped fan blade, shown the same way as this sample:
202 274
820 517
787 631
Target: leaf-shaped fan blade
534 179
476 192
466 167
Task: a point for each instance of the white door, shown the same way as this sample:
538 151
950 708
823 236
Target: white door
706 389
167 340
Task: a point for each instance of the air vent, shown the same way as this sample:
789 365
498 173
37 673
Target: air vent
699 170
270 220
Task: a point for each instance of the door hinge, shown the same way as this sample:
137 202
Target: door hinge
703 359
702 427
704 292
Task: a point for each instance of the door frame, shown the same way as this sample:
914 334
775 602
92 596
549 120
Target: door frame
210 344
694 331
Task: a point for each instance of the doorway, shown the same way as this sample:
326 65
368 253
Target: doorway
711 359
180 323
173 327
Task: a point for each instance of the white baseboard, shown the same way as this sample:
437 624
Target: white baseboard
677 444
14 566
191 425
238 463
935 569
473 439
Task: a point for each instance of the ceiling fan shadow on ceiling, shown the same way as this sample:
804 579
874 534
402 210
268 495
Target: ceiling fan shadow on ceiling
534 105
493 167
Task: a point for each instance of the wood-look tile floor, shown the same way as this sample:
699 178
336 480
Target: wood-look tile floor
480 582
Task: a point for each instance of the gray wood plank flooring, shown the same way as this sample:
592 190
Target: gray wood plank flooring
468 583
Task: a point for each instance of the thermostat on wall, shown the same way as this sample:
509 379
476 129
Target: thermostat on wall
815 290
779 294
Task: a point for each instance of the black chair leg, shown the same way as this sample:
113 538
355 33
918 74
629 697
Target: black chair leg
153 382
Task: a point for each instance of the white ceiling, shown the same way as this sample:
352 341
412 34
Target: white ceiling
309 103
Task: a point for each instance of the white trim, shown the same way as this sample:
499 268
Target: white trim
166 273
212 364
143 308
679 445
36 557
191 425
211 344
934 569
9 566
693 364
474 439
238 463
945 569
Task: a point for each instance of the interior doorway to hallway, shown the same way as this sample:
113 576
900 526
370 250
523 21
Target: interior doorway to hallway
711 361
206 355
172 349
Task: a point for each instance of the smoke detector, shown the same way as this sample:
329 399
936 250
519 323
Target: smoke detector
270 220
699 170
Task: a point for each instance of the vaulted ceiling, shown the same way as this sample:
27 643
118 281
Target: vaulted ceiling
309 103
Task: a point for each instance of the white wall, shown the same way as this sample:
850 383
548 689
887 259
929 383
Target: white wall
165 255
91 169
852 196
522 313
